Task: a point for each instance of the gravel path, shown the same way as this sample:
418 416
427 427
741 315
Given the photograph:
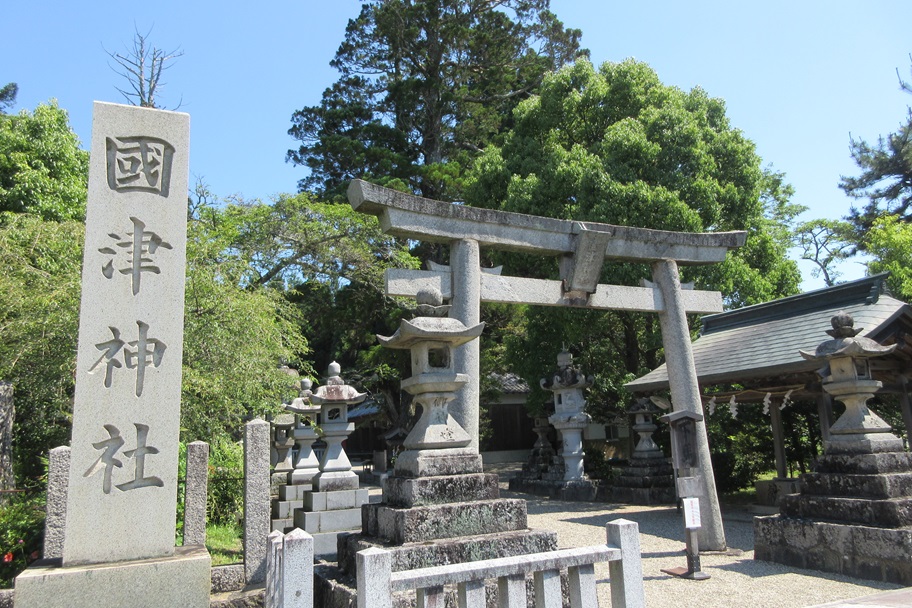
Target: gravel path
736 578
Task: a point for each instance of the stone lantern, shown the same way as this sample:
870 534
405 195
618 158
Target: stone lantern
644 412
570 418
334 397
847 377
431 338
306 465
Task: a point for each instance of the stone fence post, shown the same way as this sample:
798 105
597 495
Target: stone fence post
56 503
7 416
256 499
196 488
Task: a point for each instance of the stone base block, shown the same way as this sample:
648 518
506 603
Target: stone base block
328 521
282 524
284 508
331 501
415 492
882 485
657 495
868 443
182 580
298 492
228 578
434 463
449 551
644 481
865 464
276 481
434 522
302 477
770 491
891 512
583 490
336 481
326 544
880 554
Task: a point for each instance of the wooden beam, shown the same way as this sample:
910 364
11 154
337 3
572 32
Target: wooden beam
541 292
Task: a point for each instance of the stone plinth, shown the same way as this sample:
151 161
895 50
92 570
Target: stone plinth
645 481
179 580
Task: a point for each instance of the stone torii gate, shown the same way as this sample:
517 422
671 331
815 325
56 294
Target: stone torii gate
583 248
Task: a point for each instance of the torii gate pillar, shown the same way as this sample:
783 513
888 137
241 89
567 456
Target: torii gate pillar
685 393
465 266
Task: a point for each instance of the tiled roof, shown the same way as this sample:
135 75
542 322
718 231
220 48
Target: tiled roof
763 340
510 383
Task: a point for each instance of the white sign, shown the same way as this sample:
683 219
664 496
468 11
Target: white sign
691 513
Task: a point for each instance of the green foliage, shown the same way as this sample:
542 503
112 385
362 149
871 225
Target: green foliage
39 307
826 243
21 533
889 242
886 176
8 96
615 145
423 86
225 543
236 333
42 169
225 502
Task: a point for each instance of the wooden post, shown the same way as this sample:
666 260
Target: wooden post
906 410
778 440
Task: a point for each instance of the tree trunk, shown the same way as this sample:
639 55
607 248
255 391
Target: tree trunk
7 416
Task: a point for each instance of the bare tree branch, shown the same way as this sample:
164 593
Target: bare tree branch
142 67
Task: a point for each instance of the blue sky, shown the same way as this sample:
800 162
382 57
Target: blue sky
798 77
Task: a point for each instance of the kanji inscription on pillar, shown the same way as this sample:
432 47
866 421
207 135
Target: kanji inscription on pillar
121 499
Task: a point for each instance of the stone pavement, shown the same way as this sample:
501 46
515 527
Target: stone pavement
736 578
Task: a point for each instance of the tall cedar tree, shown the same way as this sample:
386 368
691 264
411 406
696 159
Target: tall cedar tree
424 85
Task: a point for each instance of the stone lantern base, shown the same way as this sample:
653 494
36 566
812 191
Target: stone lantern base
645 481
853 517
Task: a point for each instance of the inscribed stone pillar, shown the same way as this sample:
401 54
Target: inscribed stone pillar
121 499
465 264
685 393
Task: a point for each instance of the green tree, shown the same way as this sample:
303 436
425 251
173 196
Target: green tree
236 333
424 85
615 145
8 96
39 309
826 243
886 176
889 242
42 169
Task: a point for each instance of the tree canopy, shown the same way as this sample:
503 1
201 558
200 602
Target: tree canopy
42 169
424 84
885 180
615 145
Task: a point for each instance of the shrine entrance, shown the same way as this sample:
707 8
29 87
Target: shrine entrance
583 248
